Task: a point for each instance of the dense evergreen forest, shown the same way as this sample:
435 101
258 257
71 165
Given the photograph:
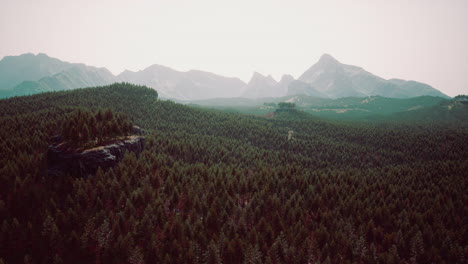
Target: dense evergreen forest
84 128
215 187
363 109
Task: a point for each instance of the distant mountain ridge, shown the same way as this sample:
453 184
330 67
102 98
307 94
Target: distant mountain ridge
28 67
74 77
30 74
328 78
190 85
260 85
336 80
298 87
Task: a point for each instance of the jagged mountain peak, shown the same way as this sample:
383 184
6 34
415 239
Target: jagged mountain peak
261 86
28 67
260 79
335 79
328 63
286 79
328 76
257 75
158 67
327 58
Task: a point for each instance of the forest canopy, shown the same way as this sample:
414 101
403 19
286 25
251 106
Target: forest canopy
83 126
214 187
286 105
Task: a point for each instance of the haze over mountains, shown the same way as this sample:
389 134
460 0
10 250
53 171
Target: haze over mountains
16 69
189 85
328 78
30 74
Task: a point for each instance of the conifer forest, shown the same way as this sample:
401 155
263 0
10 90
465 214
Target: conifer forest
215 187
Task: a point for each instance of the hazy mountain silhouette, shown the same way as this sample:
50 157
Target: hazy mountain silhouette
28 67
77 76
302 88
191 85
282 86
335 79
29 74
261 86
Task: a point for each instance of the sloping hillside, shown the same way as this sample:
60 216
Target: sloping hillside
446 111
77 76
347 108
28 67
214 187
336 80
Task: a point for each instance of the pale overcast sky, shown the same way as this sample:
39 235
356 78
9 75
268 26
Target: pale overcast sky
423 40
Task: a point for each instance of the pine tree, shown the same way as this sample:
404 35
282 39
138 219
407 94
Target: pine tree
85 134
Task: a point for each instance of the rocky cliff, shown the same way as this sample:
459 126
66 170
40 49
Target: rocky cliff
62 161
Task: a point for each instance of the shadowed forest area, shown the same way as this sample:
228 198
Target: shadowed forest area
217 187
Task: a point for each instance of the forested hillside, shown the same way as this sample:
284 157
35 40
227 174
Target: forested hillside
84 128
373 108
214 187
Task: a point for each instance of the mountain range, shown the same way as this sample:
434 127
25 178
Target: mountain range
328 78
189 85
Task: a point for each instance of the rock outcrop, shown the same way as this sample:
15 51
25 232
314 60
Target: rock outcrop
62 161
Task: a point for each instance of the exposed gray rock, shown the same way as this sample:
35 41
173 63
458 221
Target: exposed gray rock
136 130
62 161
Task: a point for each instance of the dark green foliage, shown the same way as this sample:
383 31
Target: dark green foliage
213 187
83 127
374 108
455 110
286 105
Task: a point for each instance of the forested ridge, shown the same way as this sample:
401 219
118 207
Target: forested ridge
214 187
84 128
